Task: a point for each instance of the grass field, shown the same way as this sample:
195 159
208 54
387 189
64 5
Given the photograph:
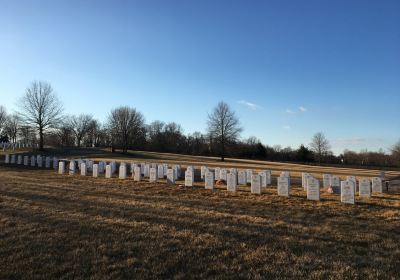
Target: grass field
54 226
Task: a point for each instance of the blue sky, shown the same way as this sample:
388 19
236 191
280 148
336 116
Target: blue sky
288 68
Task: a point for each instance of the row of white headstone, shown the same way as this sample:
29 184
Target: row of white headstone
347 188
33 161
233 178
14 146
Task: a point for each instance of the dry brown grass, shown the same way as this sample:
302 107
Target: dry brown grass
54 226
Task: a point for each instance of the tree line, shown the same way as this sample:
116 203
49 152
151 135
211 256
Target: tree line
40 120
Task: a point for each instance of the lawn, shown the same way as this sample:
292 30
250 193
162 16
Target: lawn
54 226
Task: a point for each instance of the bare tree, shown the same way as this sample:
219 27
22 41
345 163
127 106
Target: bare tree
40 108
320 146
396 151
12 126
223 126
125 125
3 117
80 126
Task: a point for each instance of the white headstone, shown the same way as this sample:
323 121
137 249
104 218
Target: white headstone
153 175
249 174
203 171
95 170
7 159
48 162
209 180
113 166
160 171
354 180
137 174
269 177
83 169
12 159
326 180
71 170
231 182
256 184
55 163
61 168
147 171
283 186
217 173
122 172
377 185
39 161
313 192
347 192
189 178
263 175
364 187
19 159
108 170
26 160
335 183
170 176
223 174
165 169
242 177
33 161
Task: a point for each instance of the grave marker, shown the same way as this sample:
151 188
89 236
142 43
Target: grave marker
95 170
242 177
377 185
108 171
26 160
231 182
249 174
209 180
326 180
71 170
170 176
364 188
19 159
160 171
153 175
83 169
347 192
122 172
313 191
61 168
189 178
137 174
283 186
256 184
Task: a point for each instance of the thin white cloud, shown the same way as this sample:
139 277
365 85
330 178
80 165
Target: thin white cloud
286 127
249 105
302 109
290 112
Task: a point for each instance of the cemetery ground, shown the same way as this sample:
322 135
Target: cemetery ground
61 226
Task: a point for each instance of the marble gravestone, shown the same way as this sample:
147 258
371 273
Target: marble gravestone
313 191
137 173
377 185
217 173
209 180
326 180
95 170
26 160
249 174
170 176
122 172
223 174
33 161
242 177
335 184
71 170
61 168
19 159
256 184
231 182
364 188
283 186
347 192
153 175
189 178
160 171
83 169
108 171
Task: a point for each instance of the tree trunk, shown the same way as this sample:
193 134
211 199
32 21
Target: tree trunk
41 140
